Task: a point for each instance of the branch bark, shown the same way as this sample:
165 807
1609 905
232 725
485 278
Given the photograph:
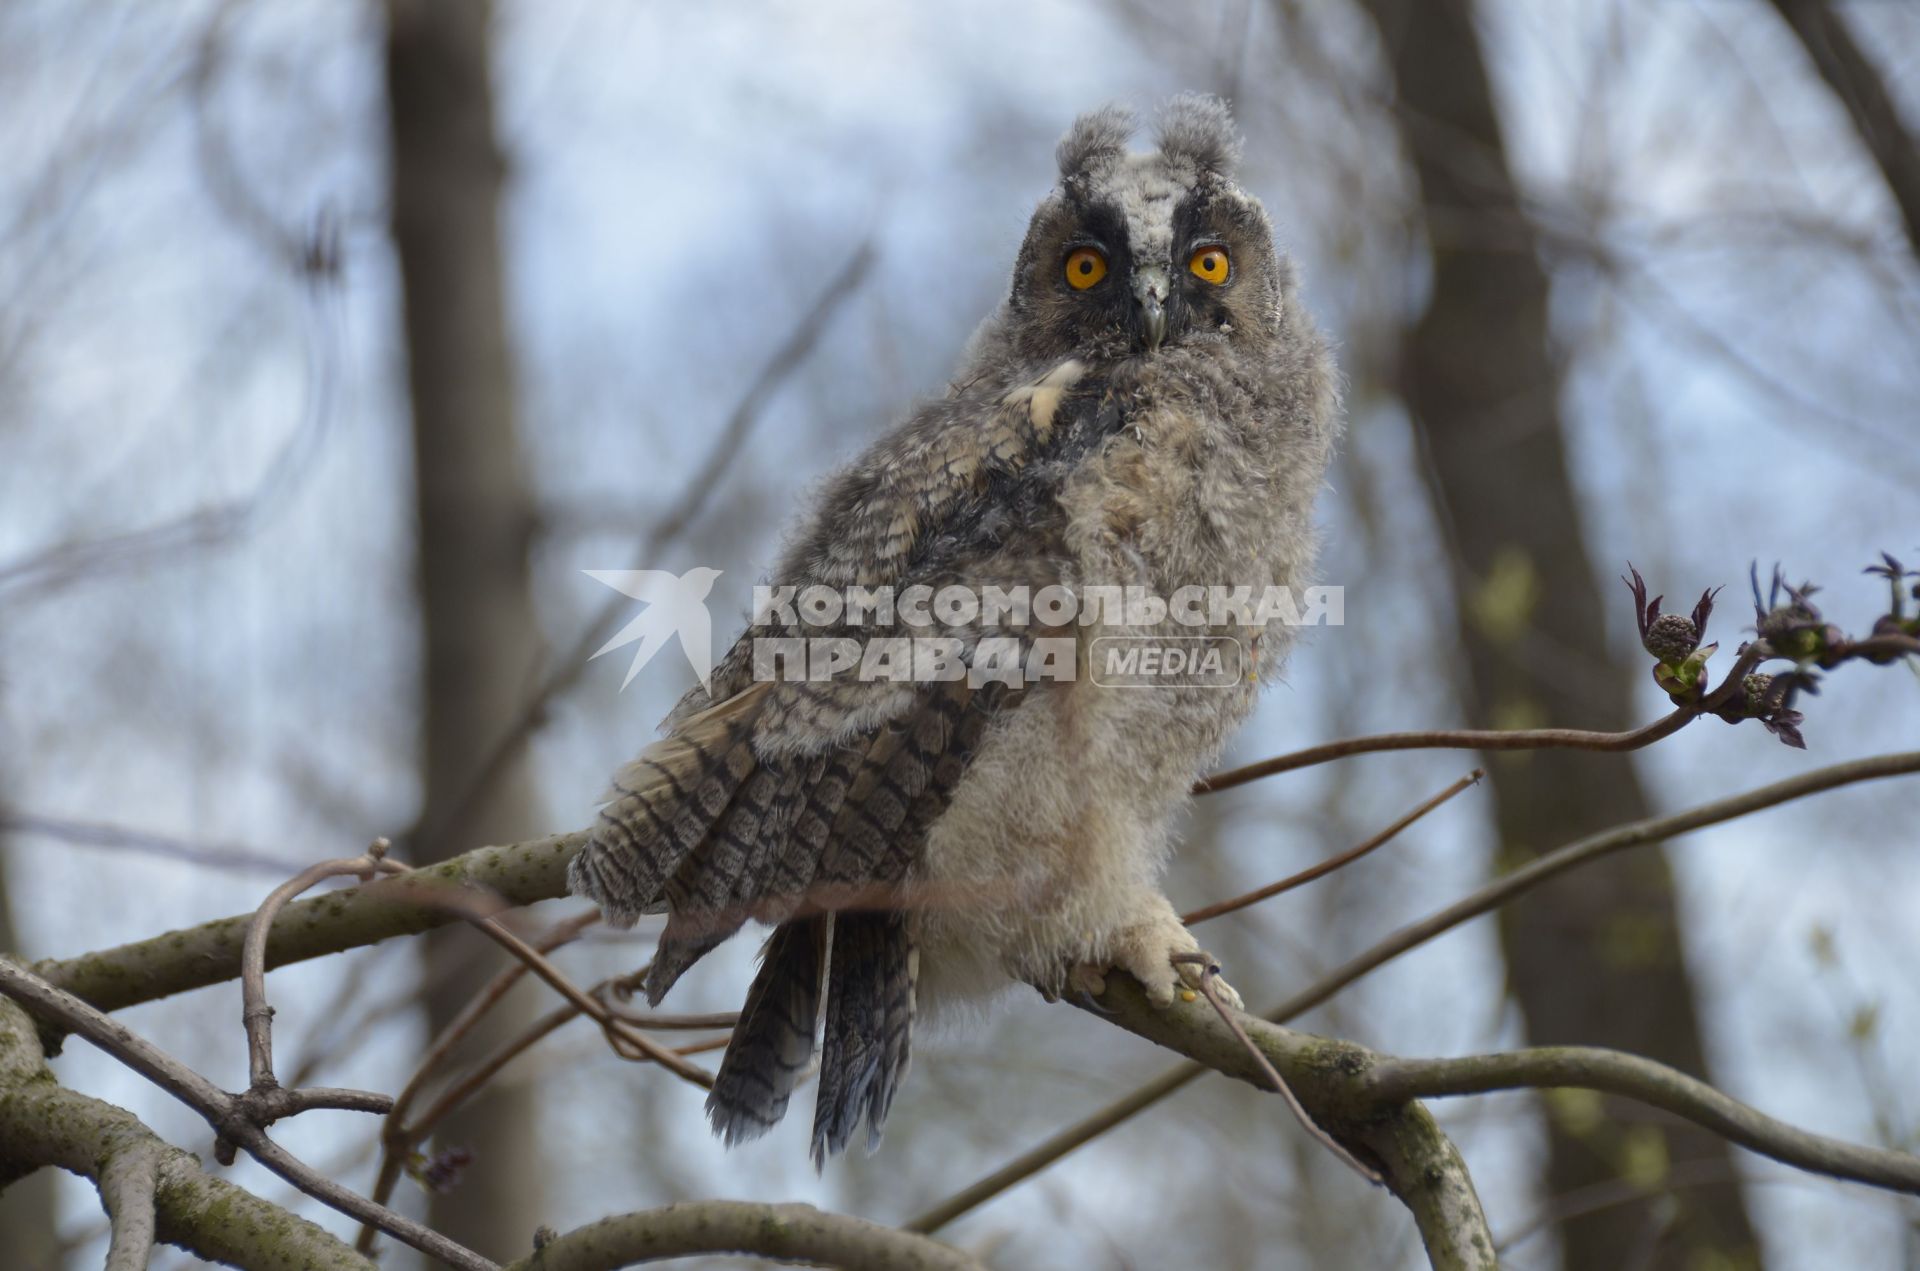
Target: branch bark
127 1184
194 957
1419 1164
229 1116
1638 1078
44 1124
796 1233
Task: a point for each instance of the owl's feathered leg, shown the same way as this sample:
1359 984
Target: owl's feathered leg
869 1028
773 1041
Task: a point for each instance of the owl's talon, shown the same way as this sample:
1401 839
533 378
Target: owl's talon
1093 1004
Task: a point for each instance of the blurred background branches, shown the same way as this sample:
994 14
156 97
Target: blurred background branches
1632 280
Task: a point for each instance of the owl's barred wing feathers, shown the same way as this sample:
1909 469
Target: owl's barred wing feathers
662 807
806 804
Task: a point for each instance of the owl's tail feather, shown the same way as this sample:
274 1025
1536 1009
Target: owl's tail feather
773 1041
663 805
869 1028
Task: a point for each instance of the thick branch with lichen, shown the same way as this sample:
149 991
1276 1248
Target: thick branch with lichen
194 957
43 1123
789 1233
1398 1137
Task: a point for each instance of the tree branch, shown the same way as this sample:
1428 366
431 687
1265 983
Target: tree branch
44 1124
1497 893
231 1120
1418 1163
256 1015
194 957
1332 863
788 1233
127 1185
1615 1072
1484 739
1634 834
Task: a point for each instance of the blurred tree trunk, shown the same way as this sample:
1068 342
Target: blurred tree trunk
27 1237
1596 958
1829 44
474 517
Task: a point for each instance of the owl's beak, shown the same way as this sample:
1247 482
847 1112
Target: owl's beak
1150 293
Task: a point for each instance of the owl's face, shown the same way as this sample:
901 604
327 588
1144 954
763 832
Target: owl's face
1135 253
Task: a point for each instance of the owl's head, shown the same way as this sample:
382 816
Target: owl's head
1132 253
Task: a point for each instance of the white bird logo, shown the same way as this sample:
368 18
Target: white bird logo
676 605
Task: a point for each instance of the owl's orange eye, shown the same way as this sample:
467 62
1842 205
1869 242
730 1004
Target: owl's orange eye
1085 267
1210 264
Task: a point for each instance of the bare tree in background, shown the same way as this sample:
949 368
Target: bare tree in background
474 520
1595 959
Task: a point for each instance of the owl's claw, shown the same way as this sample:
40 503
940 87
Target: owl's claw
1163 955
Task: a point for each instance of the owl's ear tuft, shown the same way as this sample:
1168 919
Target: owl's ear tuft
1199 129
1096 139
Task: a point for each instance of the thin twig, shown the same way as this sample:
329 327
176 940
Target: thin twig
1453 739
1491 739
400 1138
230 1121
617 1031
256 1016
1209 990
470 1015
1634 834
1332 863
672 1023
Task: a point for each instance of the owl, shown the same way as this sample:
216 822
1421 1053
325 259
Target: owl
1149 408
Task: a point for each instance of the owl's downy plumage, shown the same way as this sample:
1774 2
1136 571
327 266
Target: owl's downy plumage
1151 407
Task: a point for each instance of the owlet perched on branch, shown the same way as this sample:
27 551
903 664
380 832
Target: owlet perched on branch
1150 408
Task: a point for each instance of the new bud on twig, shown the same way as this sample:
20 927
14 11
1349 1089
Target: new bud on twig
1792 627
1673 639
441 1172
